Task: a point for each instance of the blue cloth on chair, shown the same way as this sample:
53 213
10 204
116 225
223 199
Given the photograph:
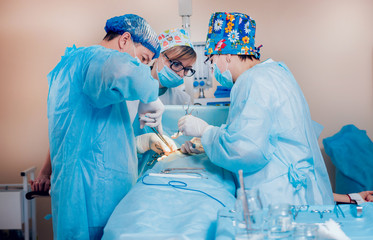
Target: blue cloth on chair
351 151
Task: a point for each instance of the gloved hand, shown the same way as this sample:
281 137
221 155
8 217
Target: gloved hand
190 125
148 141
150 114
192 146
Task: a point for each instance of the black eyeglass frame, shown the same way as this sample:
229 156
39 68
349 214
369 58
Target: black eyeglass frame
208 59
186 69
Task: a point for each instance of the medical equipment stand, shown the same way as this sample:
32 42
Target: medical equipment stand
27 207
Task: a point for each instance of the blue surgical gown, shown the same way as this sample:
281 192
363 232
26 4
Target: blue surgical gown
92 143
269 134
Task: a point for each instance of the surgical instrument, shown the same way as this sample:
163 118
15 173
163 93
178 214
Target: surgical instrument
166 175
153 160
321 213
295 209
173 171
187 112
186 109
168 170
161 137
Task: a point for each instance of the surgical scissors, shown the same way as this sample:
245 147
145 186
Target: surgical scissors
321 213
298 208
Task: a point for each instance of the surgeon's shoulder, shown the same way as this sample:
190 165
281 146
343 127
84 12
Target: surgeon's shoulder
106 56
267 70
259 78
256 75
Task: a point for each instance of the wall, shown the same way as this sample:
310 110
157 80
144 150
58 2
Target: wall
328 44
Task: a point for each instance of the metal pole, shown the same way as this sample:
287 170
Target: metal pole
33 210
186 23
25 208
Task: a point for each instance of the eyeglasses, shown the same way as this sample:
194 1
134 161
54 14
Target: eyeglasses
208 62
178 66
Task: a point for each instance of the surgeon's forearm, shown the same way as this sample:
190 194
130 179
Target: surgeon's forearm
341 198
47 166
232 156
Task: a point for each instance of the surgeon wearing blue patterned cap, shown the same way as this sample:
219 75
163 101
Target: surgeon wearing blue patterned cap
176 60
93 161
269 132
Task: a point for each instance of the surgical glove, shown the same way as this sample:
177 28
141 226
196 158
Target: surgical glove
150 141
150 114
192 146
190 125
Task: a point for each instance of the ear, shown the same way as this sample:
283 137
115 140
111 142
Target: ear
228 58
124 39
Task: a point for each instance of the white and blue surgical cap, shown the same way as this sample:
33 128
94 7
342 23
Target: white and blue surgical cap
139 29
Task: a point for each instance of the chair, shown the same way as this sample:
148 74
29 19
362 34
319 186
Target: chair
351 151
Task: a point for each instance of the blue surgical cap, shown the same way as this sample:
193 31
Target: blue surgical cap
139 29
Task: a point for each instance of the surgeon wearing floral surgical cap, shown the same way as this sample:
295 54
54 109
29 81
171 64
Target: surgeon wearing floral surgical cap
175 62
269 133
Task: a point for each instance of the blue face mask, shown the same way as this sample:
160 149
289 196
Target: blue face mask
169 78
225 78
134 52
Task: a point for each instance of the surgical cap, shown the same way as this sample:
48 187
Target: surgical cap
174 37
231 33
139 29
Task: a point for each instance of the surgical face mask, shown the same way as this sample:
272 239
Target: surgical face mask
225 78
134 51
168 78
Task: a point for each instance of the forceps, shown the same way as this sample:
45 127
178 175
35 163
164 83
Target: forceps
186 109
161 137
187 170
321 212
168 170
153 160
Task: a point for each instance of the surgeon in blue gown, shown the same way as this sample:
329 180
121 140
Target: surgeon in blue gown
92 143
176 60
269 133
